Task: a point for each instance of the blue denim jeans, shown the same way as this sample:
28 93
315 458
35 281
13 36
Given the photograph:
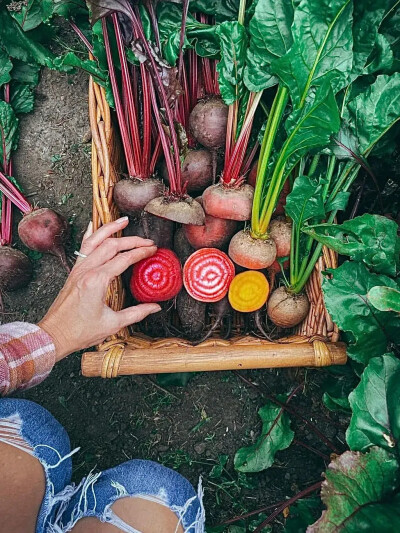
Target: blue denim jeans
33 429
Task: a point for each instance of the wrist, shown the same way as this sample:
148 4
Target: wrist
58 338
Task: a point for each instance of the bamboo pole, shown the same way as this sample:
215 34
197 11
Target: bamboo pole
180 356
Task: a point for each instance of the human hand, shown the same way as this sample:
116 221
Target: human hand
79 317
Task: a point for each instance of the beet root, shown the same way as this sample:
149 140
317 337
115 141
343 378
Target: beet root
45 231
221 313
216 233
228 202
185 210
15 269
132 195
286 309
197 171
182 246
281 232
192 315
149 226
254 254
208 122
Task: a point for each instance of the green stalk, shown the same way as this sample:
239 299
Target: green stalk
300 273
274 120
242 12
313 165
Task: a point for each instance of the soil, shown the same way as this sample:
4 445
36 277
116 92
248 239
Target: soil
114 420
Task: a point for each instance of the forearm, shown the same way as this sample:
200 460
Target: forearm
27 355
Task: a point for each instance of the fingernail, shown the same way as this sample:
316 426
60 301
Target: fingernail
89 229
121 220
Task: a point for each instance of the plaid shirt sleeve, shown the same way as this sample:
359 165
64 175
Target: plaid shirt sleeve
27 355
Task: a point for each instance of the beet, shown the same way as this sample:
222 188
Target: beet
192 315
152 227
281 232
45 231
228 202
208 122
254 254
221 313
182 246
197 170
131 195
15 269
286 309
185 210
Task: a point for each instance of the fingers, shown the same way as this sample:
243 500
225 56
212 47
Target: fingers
113 246
88 232
90 243
124 260
134 314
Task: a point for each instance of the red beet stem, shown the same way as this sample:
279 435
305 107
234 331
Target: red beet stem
15 195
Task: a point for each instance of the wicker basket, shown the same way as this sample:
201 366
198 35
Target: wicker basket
316 340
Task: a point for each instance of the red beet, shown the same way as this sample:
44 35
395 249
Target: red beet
197 170
208 122
15 269
157 278
46 231
132 195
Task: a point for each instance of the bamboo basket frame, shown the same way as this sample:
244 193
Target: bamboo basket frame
314 344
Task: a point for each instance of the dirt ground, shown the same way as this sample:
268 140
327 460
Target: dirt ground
131 417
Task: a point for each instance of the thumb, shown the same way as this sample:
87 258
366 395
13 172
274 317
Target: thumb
136 313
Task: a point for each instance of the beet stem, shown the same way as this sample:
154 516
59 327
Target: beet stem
14 195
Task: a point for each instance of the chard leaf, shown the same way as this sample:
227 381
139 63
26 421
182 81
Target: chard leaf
19 45
322 48
311 126
374 111
367 16
71 60
275 435
381 57
356 485
69 8
385 299
305 201
9 133
370 331
337 389
102 8
302 514
221 9
270 38
25 73
339 203
371 239
233 43
5 68
33 13
22 98
376 407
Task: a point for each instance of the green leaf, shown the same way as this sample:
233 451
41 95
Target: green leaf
222 9
311 126
9 133
322 48
233 42
339 203
367 17
22 98
302 514
354 488
374 111
370 331
71 60
5 68
217 470
337 389
371 239
270 38
25 73
385 299
275 435
381 57
69 8
33 13
305 201
375 405
19 45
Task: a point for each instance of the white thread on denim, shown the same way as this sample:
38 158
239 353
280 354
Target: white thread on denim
10 433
